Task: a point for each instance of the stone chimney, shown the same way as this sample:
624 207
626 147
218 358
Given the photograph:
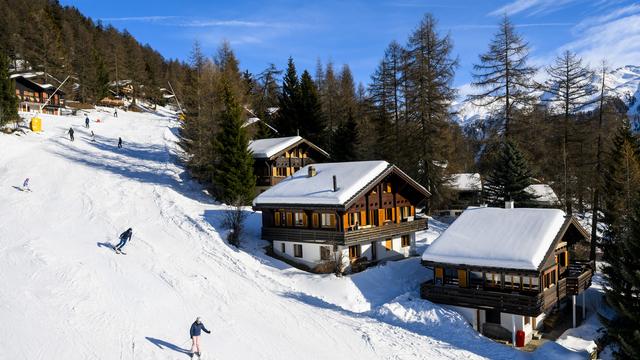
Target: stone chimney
312 171
335 183
509 204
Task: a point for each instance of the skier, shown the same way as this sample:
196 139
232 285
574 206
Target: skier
25 185
115 113
124 237
93 136
119 143
86 122
194 332
70 133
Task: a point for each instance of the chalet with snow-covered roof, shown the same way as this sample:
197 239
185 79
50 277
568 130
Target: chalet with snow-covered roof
33 96
347 215
467 191
277 158
504 270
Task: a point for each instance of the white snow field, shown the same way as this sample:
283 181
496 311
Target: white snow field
64 294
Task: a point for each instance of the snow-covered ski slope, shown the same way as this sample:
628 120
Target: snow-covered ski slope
65 294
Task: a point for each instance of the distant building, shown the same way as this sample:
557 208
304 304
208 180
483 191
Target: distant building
32 96
352 214
544 196
277 158
506 269
466 191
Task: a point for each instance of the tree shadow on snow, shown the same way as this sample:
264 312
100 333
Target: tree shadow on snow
164 344
134 164
458 335
250 241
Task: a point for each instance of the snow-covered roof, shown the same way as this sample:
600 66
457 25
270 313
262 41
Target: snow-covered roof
318 190
466 182
544 193
266 148
494 237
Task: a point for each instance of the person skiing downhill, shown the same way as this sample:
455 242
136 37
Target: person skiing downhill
86 122
70 133
195 332
25 185
115 113
93 136
124 237
119 143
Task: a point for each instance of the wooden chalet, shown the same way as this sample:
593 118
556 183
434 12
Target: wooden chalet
277 158
348 215
504 270
466 189
32 96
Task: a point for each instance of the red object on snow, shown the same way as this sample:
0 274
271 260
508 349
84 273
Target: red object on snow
519 338
97 120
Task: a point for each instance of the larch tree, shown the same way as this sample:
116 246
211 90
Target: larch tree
430 72
571 89
503 75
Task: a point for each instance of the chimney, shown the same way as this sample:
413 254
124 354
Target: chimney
312 171
335 183
508 204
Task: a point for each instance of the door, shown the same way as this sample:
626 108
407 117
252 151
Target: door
492 316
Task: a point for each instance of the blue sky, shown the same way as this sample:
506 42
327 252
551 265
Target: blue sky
357 32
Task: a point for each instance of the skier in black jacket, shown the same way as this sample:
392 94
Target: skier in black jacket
70 133
124 237
195 332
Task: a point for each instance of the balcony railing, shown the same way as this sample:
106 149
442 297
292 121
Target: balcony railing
342 238
527 304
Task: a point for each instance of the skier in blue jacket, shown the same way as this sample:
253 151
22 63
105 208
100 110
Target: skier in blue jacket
196 328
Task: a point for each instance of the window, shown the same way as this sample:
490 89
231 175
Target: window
389 214
354 218
508 280
526 283
300 219
387 187
281 171
493 279
562 259
549 279
406 240
450 276
297 250
405 212
328 220
475 278
325 253
516 282
388 244
283 248
535 283
354 251
315 220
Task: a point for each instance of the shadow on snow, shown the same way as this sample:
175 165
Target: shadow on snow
165 344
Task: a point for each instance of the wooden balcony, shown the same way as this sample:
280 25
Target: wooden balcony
521 303
343 238
268 180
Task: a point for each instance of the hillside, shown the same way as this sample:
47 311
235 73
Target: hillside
67 295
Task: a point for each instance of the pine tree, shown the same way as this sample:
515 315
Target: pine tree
570 88
503 74
234 174
287 120
621 271
346 141
309 113
8 100
509 178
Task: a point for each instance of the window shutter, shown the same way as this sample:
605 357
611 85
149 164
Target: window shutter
462 278
277 218
332 220
314 219
289 219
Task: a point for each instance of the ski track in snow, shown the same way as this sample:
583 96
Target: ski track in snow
67 295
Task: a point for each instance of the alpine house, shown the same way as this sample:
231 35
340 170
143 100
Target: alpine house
504 270
342 216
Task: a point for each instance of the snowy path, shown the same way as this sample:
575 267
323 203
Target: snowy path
66 295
